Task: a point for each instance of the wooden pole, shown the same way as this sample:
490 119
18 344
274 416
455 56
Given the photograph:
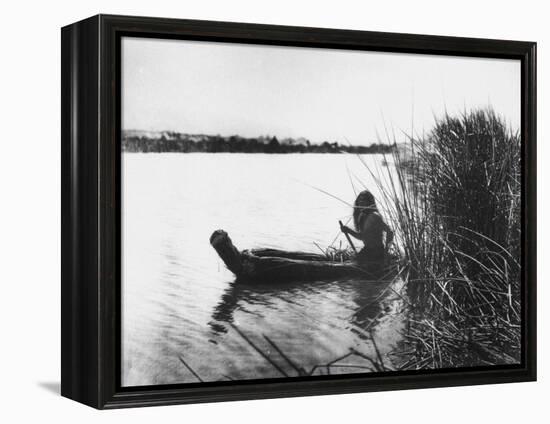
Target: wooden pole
349 238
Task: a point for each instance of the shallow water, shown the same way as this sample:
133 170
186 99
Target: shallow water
179 300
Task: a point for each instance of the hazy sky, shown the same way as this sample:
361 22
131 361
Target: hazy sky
320 94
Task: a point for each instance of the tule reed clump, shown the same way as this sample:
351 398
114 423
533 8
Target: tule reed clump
454 198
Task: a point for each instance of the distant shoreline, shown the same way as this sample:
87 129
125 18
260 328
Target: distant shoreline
174 142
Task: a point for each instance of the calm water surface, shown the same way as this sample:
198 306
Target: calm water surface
179 301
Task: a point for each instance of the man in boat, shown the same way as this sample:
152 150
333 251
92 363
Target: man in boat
278 265
370 229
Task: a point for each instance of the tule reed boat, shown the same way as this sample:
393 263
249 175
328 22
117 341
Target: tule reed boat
273 265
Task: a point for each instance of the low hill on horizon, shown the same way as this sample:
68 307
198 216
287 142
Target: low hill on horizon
169 141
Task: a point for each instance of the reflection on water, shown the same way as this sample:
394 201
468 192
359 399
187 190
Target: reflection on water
297 294
179 301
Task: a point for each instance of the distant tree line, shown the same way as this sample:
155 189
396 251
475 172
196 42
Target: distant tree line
133 141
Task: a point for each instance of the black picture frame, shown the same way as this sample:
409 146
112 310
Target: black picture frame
91 205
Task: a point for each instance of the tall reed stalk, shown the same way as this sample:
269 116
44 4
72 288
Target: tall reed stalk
454 198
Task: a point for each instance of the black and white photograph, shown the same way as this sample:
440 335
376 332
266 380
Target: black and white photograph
278 212
304 212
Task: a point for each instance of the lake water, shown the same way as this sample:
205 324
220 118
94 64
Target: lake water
179 300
